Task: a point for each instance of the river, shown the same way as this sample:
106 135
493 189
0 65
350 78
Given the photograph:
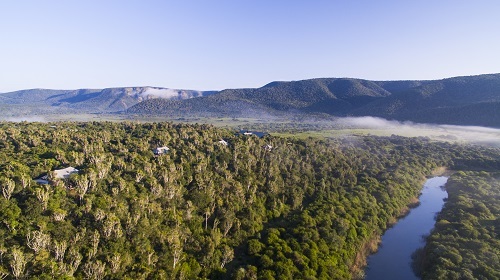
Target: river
393 259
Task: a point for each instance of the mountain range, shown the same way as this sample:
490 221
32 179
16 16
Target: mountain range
468 100
109 100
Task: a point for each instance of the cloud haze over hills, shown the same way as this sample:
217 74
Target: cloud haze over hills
107 100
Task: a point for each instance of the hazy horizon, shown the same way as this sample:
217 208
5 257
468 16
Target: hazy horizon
259 86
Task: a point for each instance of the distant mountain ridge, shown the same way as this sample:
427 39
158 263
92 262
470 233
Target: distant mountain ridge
337 96
472 100
468 100
107 100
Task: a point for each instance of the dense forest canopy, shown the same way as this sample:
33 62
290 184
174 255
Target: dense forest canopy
303 209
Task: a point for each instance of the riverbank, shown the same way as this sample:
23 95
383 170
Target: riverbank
372 244
464 243
393 259
442 171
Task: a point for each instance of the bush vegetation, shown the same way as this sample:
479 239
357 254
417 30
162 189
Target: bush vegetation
307 209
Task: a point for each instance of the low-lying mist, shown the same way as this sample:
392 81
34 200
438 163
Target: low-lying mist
24 119
456 133
326 126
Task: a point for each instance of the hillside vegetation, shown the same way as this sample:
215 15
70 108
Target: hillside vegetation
331 96
302 209
109 100
470 100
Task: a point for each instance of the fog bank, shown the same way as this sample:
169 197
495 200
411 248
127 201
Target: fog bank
456 133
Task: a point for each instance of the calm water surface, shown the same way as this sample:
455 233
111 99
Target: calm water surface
393 259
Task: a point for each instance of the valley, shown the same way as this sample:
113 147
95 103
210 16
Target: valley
308 200
249 140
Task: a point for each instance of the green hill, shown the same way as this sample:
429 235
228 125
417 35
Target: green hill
462 100
327 95
469 100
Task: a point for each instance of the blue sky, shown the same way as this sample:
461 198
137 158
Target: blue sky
218 44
